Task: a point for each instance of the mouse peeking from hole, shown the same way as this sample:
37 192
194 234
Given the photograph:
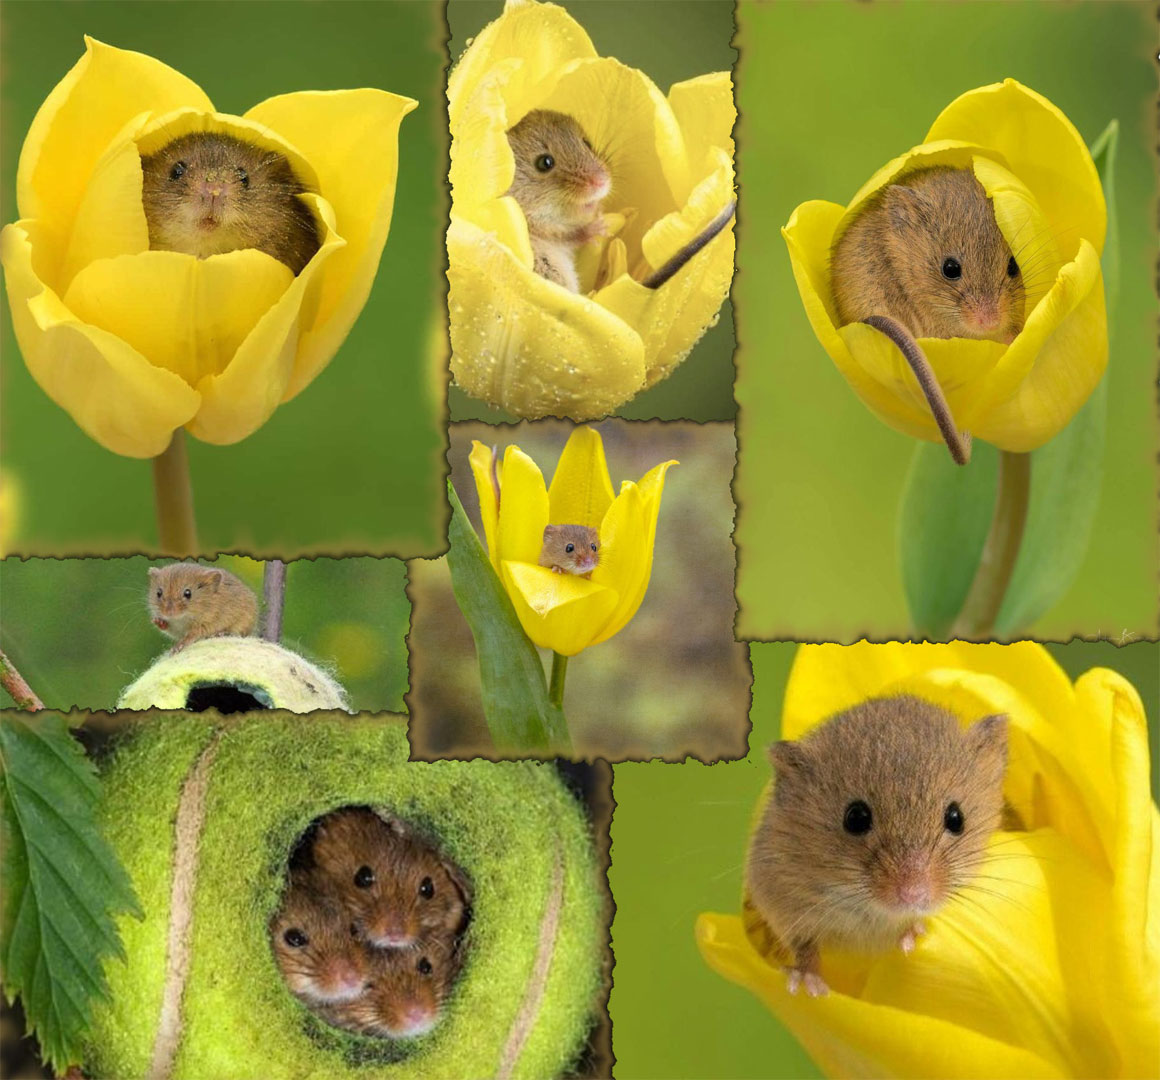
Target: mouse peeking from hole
877 819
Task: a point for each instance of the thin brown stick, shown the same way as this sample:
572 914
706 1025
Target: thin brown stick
14 683
274 599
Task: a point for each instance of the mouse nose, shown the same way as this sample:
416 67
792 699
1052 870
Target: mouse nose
914 892
416 1019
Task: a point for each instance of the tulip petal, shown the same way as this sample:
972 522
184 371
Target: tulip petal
561 612
527 345
523 509
1042 147
105 89
114 394
581 490
705 110
481 460
351 139
849 1037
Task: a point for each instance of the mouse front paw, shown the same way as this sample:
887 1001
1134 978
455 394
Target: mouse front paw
814 984
909 939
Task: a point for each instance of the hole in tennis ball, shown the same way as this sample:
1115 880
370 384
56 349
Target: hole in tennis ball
370 930
227 698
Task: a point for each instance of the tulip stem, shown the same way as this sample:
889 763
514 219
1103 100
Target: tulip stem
176 528
1001 549
556 687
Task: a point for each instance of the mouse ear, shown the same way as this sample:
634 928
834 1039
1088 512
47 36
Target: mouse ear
989 735
455 872
550 531
786 757
905 206
153 572
213 578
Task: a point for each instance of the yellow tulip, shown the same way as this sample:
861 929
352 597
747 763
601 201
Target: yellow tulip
1048 203
526 344
134 343
565 612
1054 970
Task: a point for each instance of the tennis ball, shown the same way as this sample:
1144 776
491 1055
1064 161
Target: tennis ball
203 813
234 674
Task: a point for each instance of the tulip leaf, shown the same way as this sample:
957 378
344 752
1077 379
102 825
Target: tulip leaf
519 713
62 884
943 521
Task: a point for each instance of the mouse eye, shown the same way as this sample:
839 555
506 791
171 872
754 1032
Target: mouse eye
427 888
545 163
295 938
187 593
953 819
158 594
592 546
178 170
569 548
354 929
244 177
423 967
1012 267
858 818
952 269
364 877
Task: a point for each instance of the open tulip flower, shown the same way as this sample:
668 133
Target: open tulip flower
522 342
560 611
136 343
1046 195
1052 969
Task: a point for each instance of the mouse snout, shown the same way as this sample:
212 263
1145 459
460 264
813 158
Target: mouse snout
415 1018
599 184
390 932
982 317
341 979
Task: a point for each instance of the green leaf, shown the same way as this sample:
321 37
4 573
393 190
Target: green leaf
62 884
1103 152
943 521
511 674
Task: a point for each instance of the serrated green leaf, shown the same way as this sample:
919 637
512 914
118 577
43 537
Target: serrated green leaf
942 524
62 883
511 674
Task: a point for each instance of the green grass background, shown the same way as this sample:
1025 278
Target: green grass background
355 462
670 41
678 845
79 629
828 92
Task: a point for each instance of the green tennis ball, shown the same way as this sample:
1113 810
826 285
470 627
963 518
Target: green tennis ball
270 675
229 798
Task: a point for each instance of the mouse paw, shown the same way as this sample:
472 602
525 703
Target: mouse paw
814 984
909 939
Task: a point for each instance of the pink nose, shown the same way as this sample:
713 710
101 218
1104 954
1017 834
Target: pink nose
914 891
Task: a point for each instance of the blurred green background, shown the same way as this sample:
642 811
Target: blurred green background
79 630
354 462
827 93
670 41
673 681
678 848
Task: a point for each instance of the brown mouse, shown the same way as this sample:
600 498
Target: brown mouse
927 252
208 193
189 602
316 947
408 988
571 549
876 818
560 183
396 888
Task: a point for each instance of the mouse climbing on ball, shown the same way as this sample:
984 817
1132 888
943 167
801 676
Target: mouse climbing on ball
188 602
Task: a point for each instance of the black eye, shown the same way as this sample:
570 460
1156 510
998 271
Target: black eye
423 967
1012 267
427 888
178 171
295 938
593 546
158 594
364 877
953 819
858 818
187 593
569 548
244 177
354 929
545 163
952 269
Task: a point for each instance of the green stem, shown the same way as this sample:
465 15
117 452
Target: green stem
1001 550
556 687
173 495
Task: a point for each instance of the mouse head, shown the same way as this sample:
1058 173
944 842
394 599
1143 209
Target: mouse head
396 888
207 187
895 800
317 948
573 548
175 589
947 249
560 180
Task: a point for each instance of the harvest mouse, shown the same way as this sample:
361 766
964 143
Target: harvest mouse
189 602
395 887
208 193
877 817
316 948
407 990
571 549
560 182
